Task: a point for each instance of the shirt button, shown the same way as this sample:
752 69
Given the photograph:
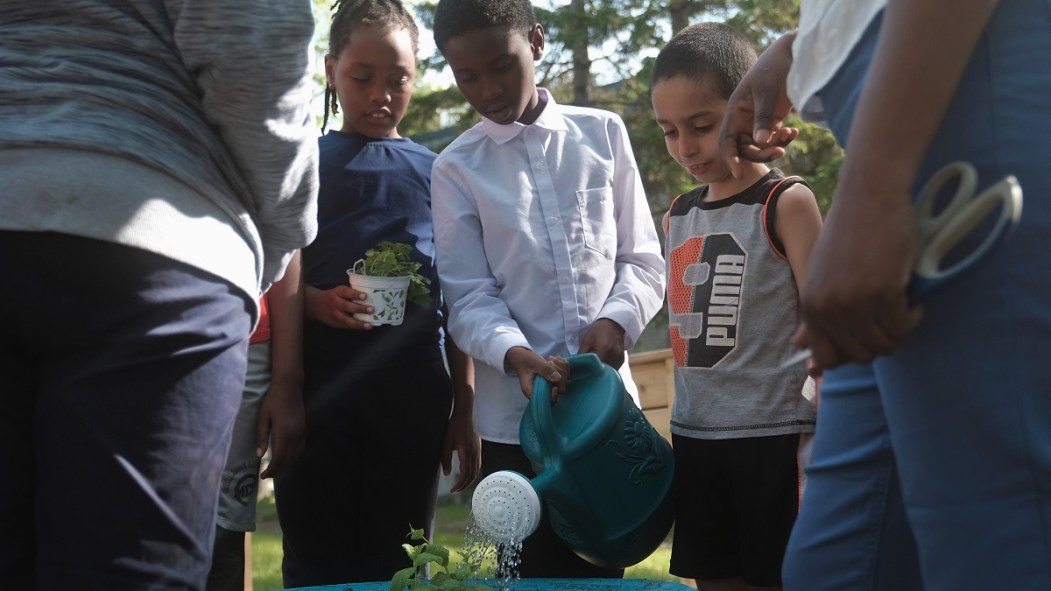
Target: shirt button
540 165
552 220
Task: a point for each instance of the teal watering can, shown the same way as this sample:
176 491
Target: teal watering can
604 475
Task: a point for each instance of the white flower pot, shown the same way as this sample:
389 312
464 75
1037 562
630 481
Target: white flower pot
386 295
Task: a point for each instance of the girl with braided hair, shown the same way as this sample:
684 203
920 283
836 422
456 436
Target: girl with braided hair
377 397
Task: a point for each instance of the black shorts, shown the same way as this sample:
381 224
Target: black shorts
735 503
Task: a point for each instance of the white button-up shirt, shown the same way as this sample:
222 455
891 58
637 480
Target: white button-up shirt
540 230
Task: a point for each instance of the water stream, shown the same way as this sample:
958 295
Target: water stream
481 549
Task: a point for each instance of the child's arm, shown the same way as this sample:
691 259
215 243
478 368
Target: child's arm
281 421
459 433
480 321
638 291
797 222
336 307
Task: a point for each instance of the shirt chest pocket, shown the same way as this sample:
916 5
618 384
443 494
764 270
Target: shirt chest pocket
596 218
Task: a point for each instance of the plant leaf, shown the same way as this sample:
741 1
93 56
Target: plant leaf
401 579
463 571
440 551
394 259
423 558
417 534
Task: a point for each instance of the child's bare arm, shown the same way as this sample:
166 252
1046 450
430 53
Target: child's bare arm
281 421
460 436
797 223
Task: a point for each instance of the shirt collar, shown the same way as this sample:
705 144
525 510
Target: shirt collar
550 118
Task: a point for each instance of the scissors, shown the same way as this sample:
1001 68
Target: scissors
942 225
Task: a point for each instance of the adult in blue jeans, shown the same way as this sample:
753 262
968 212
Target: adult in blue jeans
158 169
953 416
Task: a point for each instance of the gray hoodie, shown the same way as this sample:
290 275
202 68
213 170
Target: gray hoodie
181 127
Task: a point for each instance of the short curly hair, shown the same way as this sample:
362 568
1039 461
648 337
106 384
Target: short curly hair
453 18
712 52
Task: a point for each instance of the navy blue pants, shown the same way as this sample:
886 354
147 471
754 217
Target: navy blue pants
120 374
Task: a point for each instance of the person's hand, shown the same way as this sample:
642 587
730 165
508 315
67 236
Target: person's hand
336 307
528 365
853 299
281 425
813 369
605 338
461 438
562 365
752 125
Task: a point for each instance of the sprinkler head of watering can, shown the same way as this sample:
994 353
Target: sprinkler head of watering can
506 507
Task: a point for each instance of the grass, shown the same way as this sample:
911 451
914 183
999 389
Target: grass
450 525
266 547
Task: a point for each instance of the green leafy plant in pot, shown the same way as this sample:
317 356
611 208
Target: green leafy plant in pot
388 276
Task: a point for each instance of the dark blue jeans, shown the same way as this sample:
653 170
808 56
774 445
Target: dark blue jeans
938 457
120 375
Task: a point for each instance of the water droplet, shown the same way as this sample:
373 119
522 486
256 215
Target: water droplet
481 549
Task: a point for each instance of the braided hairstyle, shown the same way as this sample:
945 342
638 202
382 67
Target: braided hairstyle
353 14
453 18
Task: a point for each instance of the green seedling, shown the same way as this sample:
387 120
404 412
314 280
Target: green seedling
444 576
391 259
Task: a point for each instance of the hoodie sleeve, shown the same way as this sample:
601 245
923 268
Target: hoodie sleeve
252 63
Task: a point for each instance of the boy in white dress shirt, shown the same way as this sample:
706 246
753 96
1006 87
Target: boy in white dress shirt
545 242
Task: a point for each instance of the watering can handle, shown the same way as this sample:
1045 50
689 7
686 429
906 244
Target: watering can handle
582 365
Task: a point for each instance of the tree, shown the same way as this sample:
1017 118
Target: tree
681 12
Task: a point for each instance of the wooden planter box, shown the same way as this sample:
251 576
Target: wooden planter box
653 372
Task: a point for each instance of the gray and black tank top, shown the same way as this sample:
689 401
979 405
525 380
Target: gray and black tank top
733 307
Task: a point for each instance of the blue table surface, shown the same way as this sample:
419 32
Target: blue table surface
534 585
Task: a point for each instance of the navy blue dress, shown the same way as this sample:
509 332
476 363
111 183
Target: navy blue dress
377 401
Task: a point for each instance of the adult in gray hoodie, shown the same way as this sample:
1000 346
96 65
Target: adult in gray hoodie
157 170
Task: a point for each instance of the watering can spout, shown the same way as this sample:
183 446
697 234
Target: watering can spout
506 506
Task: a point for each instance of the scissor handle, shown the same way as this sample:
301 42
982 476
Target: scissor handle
939 234
927 221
